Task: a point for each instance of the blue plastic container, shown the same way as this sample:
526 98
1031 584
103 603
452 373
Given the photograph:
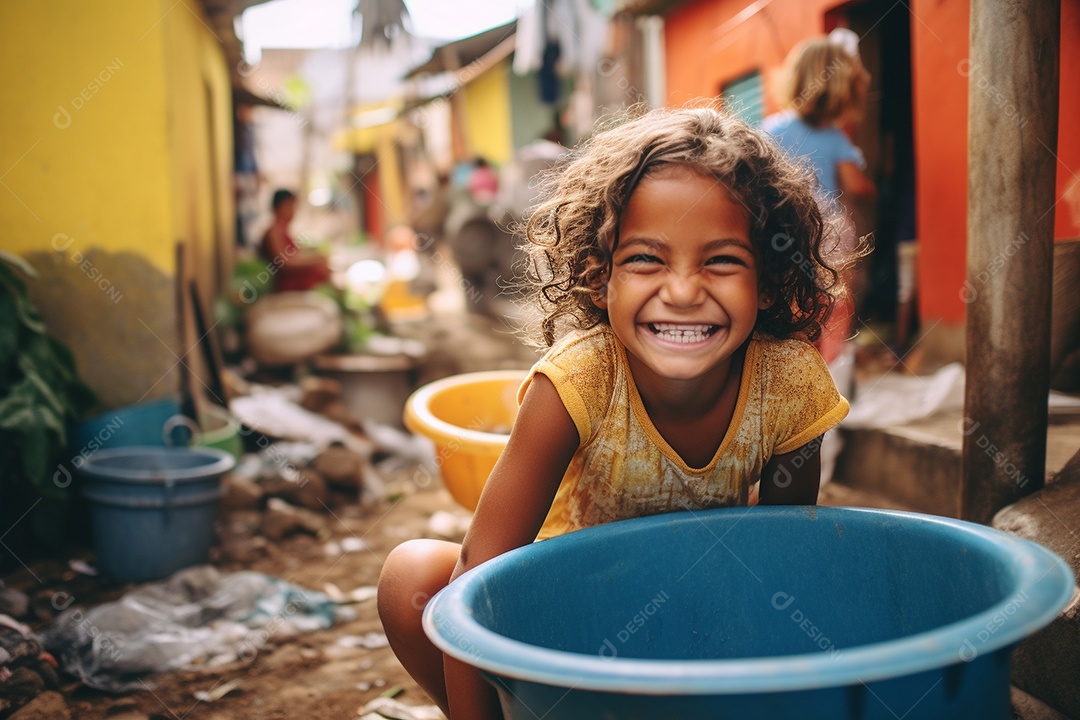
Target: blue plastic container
140 424
784 612
152 509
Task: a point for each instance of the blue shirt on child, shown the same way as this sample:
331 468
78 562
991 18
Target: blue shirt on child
824 147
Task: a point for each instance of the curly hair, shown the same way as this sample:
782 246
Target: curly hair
572 234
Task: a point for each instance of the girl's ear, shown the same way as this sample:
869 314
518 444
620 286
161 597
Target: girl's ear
599 297
765 299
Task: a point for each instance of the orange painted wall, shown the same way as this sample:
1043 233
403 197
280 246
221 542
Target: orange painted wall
940 88
939 53
712 41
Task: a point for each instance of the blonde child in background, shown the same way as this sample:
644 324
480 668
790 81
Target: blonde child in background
825 91
676 263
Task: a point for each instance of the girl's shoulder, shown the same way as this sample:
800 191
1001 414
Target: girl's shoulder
790 363
799 397
584 367
780 348
591 354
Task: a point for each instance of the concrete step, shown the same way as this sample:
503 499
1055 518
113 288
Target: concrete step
1026 707
919 464
836 494
1047 664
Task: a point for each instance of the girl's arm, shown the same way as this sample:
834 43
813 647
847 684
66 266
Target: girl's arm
792 478
512 507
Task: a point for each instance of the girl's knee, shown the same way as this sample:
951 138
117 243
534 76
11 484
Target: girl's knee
412 573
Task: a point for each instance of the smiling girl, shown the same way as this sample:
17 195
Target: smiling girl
677 266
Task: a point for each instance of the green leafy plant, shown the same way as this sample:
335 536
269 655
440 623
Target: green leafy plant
40 394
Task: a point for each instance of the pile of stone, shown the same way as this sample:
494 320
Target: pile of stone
29 688
268 507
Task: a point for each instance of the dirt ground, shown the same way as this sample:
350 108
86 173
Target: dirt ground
312 675
322 674
319 674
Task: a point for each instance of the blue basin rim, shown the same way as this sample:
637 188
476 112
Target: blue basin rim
1042 575
215 462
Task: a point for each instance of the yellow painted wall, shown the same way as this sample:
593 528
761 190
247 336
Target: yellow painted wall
117 143
199 111
486 108
84 150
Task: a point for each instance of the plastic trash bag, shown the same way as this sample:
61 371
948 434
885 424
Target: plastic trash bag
895 399
197 618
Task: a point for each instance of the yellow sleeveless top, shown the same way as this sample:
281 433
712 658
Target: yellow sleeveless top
624 468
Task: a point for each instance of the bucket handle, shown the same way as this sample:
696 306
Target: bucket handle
177 421
171 424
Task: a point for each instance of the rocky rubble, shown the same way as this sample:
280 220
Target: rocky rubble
287 488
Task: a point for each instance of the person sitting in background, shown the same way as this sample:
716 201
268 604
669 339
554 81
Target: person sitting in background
293 268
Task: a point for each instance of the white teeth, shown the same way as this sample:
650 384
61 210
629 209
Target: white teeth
681 333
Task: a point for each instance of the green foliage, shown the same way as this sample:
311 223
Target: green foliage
40 393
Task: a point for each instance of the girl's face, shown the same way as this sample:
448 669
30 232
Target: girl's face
683 294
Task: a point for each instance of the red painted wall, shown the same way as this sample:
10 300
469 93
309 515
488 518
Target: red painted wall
712 41
1067 218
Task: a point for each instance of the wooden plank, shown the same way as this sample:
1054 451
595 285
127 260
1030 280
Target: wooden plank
1012 139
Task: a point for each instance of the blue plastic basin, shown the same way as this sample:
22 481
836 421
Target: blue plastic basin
786 612
152 508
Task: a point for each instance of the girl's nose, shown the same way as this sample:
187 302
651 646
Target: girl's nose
682 290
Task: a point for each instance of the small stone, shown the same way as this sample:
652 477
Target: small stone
13 602
49 705
125 709
340 467
22 685
447 524
240 493
18 642
352 544
308 490
282 519
318 392
245 550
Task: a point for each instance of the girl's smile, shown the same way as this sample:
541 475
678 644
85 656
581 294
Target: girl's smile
682 334
683 294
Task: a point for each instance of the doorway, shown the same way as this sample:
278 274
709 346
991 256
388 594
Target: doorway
886 139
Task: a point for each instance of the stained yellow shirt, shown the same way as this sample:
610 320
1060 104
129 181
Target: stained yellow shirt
623 467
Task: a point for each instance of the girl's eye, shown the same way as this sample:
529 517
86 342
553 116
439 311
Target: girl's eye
642 258
725 260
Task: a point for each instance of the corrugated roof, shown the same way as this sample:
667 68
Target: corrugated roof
464 51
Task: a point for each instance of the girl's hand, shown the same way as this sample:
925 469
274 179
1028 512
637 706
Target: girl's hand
792 478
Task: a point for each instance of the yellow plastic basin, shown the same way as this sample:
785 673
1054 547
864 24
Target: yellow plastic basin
468 417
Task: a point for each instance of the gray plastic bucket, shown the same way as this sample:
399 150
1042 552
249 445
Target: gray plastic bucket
152 508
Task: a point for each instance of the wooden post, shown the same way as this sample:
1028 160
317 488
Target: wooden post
459 144
1012 142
